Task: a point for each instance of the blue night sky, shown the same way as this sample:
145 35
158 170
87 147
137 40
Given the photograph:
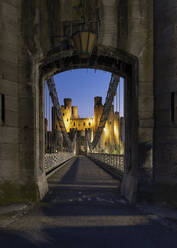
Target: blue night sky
82 85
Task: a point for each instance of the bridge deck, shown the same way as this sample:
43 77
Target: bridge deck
84 209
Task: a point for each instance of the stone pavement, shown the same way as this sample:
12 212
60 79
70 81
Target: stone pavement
84 209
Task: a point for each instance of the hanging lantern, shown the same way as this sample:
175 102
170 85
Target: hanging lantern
84 42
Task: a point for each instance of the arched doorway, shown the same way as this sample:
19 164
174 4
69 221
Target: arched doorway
111 60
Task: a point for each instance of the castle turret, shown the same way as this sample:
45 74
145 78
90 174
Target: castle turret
98 109
75 112
97 101
66 112
67 102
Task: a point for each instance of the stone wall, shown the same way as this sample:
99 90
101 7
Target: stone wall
9 130
165 145
135 35
22 177
28 31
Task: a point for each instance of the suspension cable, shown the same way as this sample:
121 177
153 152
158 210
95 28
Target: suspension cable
106 110
45 98
49 113
119 126
56 104
49 122
117 100
46 101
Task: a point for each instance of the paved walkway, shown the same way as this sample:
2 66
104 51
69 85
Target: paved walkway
84 209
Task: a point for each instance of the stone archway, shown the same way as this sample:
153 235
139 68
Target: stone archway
32 46
108 59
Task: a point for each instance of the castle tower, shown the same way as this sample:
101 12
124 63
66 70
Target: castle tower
98 109
107 137
75 112
67 102
97 101
66 112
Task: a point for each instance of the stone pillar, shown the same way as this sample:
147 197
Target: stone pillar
20 180
165 134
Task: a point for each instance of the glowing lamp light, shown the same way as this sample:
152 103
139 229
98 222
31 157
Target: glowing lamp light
115 130
84 42
106 131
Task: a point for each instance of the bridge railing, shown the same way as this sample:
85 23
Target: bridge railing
52 160
114 161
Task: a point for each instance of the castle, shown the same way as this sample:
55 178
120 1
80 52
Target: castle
110 140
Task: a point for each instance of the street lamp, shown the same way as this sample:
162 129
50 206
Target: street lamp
81 34
84 38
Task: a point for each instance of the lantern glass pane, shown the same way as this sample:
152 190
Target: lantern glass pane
91 43
84 41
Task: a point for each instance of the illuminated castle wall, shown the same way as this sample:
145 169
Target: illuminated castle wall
109 141
110 137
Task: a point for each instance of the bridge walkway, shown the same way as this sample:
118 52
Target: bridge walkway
84 209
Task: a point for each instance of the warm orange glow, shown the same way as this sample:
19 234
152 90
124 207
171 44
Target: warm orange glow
115 131
106 130
110 137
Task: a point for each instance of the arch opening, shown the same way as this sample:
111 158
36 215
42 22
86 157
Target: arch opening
113 61
82 95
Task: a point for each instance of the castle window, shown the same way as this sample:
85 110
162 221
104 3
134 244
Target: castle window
63 114
89 124
110 123
84 123
74 124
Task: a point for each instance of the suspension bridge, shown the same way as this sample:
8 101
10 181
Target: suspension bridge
56 156
84 207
